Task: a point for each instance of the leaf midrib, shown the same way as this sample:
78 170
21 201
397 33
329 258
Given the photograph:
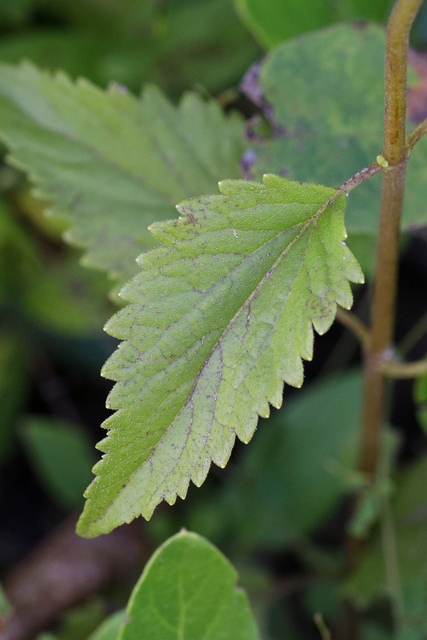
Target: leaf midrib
304 228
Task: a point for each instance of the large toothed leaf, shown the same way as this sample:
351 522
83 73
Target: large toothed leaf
220 316
112 163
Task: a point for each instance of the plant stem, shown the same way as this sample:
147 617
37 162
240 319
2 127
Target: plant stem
404 370
390 368
356 326
416 135
393 181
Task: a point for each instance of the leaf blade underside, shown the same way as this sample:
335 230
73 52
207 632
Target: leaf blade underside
220 317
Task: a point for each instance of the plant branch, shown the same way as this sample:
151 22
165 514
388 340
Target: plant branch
404 370
416 135
355 325
393 181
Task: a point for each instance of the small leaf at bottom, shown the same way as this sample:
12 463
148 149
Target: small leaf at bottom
187 591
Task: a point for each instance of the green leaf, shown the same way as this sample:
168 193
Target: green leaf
110 628
293 475
81 53
175 45
221 315
340 69
275 21
97 154
62 457
188 591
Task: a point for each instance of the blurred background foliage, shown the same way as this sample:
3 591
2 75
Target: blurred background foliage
280 508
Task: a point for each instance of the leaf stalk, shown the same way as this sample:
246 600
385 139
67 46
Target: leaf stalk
390 368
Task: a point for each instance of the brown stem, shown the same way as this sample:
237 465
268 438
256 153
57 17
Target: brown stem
393 181
398 28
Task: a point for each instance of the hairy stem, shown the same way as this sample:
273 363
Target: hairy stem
393 181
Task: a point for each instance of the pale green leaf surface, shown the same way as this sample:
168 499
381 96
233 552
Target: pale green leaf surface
326 91
187 592
220 316
110 163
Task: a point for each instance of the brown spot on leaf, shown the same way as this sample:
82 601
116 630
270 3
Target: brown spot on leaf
190 219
